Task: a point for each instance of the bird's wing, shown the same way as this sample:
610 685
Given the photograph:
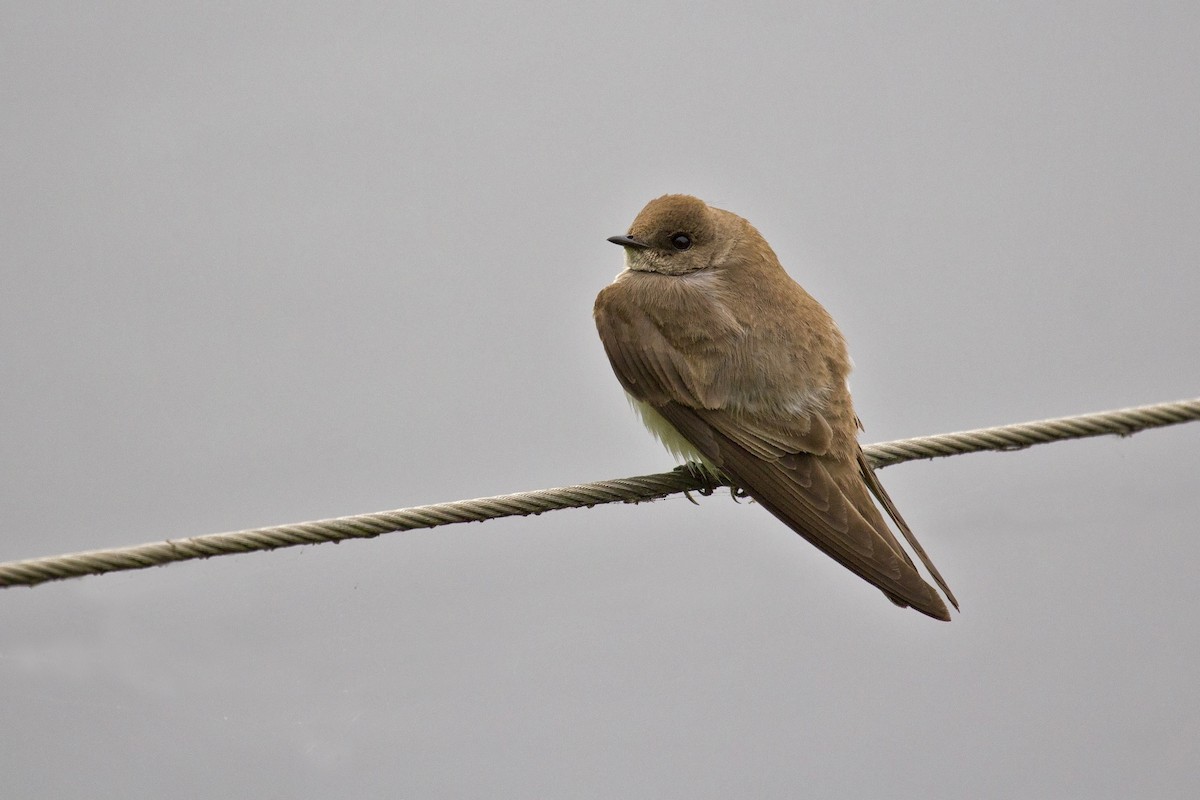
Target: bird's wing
651 369
779 462
802 490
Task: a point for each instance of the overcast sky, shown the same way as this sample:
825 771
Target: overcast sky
265 262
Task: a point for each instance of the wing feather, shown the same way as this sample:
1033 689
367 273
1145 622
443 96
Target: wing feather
872 482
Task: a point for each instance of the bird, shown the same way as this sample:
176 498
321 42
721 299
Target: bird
734 367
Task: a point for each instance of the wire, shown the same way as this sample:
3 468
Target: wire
31 572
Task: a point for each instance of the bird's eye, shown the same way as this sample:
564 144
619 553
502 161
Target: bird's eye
681 241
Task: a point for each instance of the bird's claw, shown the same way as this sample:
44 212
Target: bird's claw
704 477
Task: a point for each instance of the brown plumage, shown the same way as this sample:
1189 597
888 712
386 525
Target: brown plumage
731 362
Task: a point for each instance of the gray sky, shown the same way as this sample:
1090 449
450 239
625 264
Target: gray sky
265 263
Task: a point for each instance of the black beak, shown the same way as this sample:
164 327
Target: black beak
628 241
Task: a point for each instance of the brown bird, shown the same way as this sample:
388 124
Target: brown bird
731 363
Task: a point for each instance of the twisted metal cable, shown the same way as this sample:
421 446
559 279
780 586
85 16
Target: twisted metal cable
1123 422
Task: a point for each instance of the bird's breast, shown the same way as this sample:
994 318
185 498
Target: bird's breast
686 309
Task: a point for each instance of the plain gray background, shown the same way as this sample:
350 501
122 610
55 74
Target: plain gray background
265 263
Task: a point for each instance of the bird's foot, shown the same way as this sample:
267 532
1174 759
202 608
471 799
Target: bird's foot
698 472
